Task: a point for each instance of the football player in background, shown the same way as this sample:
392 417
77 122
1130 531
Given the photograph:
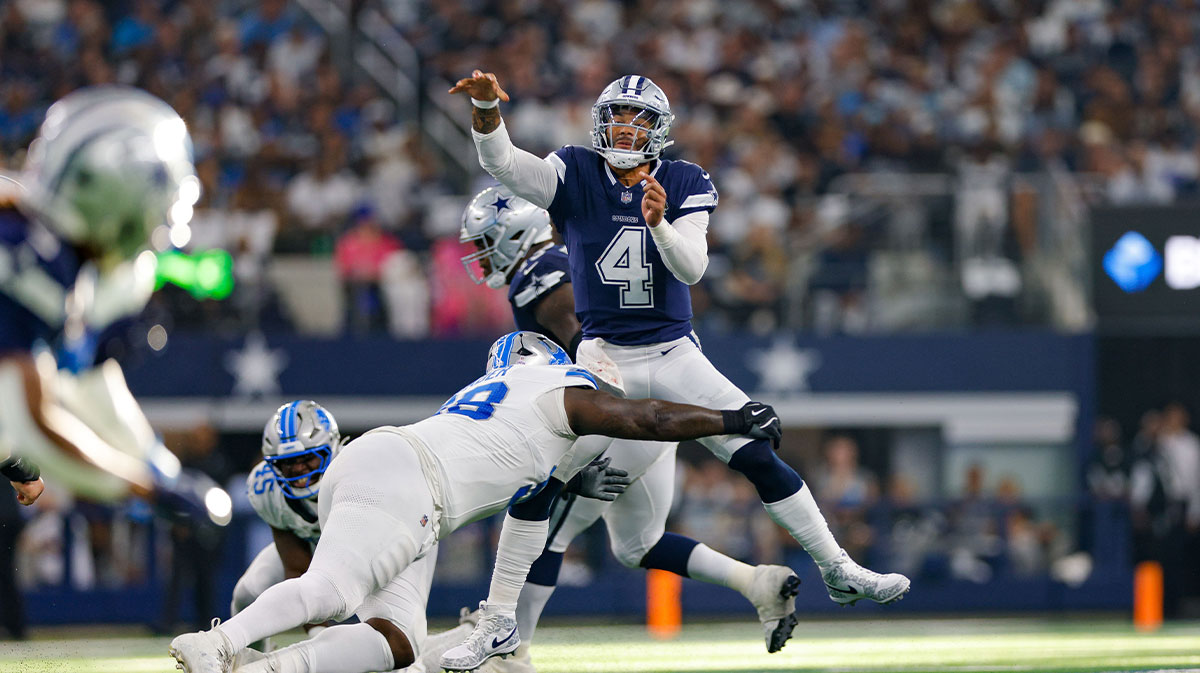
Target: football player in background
507 440
634 225
515 249
298 444
110 172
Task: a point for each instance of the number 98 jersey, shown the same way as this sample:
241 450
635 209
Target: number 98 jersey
506 432
624 293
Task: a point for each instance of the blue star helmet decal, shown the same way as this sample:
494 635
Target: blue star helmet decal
1133 263
500 204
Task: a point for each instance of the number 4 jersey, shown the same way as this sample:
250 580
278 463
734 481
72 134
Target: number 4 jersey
624 293
499 438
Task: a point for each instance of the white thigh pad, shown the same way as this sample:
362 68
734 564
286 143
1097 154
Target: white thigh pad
638 518
402 601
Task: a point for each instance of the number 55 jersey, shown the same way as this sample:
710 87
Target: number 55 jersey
624 293
498 440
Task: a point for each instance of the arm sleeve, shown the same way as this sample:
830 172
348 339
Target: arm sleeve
529 177
683 245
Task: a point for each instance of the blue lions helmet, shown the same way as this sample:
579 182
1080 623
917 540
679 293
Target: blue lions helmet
651 117
298 431
525 348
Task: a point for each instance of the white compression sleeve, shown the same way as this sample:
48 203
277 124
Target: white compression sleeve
521 542
529 609
524 173
799 515
708 565
683 245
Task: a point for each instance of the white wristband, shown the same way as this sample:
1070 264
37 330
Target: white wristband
485 104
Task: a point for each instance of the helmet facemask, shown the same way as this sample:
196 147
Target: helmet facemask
630 122
304 484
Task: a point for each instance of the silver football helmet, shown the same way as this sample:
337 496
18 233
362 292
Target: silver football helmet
298 431
525 348
110 166
651 115
504 227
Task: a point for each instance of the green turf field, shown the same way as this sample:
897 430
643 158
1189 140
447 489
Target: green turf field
841 645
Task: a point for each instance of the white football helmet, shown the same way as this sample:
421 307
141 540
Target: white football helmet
652 117
298 430
110 165
504 227
525 348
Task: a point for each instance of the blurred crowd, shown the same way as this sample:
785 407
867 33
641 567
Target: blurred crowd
882 165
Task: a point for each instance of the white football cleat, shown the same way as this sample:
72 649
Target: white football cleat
519 662
204 651
494 636
773 594
848 582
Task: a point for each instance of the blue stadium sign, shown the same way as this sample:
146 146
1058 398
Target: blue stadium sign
1133 263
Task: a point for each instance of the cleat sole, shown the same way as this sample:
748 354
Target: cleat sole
782 633
791 587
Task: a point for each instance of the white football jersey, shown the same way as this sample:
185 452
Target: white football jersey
297 516
500 438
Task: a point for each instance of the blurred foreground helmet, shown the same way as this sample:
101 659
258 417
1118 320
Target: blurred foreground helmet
298 431
650 122
503 227
110 171
525 348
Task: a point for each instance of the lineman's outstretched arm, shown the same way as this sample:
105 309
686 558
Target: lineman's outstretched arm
524 173
594 412
34 421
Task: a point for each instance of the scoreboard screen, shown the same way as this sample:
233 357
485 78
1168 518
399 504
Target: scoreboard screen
1146 269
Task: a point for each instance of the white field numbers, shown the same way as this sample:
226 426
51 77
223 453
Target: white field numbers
624 264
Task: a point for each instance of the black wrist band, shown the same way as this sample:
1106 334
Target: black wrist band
16 469
733 422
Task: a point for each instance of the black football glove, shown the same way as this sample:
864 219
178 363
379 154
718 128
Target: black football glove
20 470
756 420
598 481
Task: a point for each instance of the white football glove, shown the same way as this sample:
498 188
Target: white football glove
591 356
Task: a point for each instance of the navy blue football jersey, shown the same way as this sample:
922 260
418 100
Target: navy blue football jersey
544 271
37 270
623 291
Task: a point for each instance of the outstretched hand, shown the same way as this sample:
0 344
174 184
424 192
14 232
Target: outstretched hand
654 199
598 481
480 86
28 491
